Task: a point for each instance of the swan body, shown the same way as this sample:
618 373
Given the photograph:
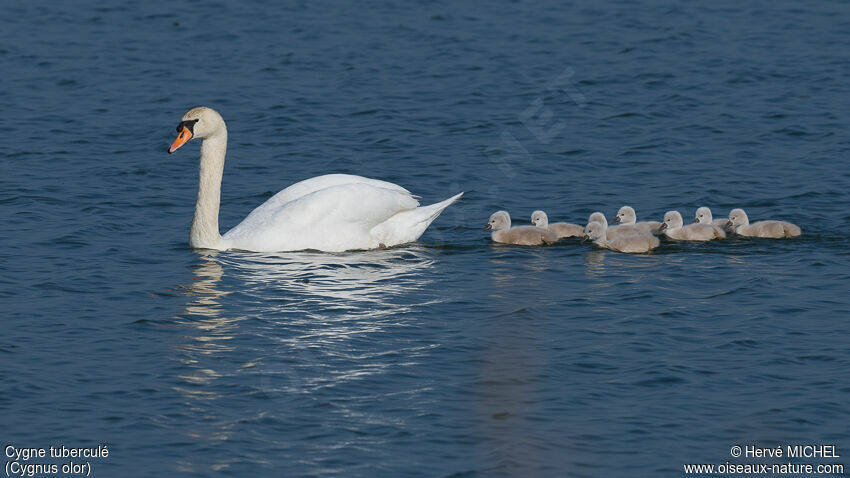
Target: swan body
562 229
332 213
500 224
772 229
627 217
703 216
675 229
636 244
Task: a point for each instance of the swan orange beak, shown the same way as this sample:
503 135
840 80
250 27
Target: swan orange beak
182 138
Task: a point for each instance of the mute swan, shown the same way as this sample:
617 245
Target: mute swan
500 223
675 229
703 216
332 213
639 244
772 229
562 229
618 231
627 217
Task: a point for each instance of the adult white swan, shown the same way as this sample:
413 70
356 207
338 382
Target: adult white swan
333 213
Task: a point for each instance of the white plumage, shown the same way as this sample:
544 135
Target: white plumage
333 213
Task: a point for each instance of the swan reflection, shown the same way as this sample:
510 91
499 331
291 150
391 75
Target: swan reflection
314 294
317 298
287 327
320 312
362 283
302 286
204 289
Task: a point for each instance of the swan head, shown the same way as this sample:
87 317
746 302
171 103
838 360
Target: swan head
703 216
738 218
593 231
598 217
540 219
626 215
500 220
200 122
673 220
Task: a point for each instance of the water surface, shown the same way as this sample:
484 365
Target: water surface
451 357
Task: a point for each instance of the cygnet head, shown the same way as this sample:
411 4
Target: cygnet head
703 216
626 215
540 219
598 217
500 220
673 220
738 217
593 231
200 122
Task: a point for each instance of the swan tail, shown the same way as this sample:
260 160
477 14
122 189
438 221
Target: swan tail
429 213
406 226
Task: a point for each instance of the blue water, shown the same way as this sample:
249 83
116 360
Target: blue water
452 357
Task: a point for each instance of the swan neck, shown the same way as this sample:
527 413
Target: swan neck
204 233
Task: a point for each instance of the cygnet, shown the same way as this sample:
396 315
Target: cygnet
627 217
703 216
562 229
773 229
637 244
674 228
500 224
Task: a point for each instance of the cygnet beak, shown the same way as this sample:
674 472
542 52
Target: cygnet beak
616 219
584 238
662 227
696 220
487 227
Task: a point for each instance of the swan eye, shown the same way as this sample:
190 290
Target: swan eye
187 124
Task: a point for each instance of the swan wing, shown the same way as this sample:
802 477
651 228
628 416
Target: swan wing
307 186
334 218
